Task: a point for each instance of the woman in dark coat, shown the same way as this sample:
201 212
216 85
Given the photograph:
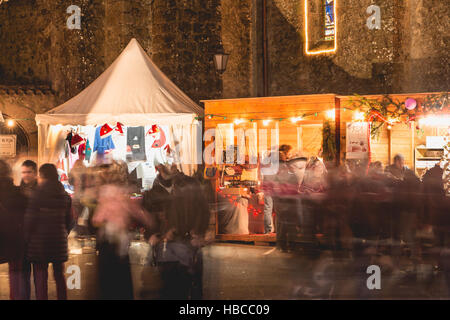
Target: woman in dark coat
47 225
12 210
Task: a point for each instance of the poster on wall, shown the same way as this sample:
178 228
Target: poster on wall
357 140
8 145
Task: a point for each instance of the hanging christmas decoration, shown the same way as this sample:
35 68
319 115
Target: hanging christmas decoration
76 140
387 111
119 127
410 104
159 141
105 131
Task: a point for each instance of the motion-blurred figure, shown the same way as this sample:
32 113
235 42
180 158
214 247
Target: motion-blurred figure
435 200
313 192
116 213
77 178
12 245
398 168
268 185
47 225
286 202
177 204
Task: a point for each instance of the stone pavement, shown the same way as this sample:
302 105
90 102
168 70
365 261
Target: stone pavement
235 271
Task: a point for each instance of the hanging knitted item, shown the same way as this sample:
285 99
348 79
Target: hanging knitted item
119 127
82 150
76 140
153 130
167 148
87 151
159 141
69 140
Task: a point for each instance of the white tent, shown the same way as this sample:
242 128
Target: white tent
132 91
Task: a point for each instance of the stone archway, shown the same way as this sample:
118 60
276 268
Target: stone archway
22 104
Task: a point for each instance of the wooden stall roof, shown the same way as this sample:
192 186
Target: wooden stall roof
270 107
290 106
400 96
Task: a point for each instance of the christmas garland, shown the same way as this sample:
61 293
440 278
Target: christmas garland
388 111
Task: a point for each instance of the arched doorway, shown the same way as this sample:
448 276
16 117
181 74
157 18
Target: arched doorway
22 140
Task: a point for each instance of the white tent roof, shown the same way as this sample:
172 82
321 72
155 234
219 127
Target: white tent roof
132 90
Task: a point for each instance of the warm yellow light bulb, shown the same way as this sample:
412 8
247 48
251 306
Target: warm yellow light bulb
295 119
358 116
10 123
331 114
238 121
266 122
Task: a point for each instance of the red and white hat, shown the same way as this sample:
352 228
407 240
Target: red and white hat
119 127
153 130
105 131
76 140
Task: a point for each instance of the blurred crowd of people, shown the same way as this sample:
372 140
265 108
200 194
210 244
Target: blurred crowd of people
37 217
356 201
359 209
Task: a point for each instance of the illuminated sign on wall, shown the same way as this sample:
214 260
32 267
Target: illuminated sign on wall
328 42
8 145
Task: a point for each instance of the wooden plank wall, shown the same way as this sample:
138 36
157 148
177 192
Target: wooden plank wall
402 143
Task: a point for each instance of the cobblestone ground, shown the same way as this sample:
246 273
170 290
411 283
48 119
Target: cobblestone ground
233 271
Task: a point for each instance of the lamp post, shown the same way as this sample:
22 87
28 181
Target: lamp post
221 61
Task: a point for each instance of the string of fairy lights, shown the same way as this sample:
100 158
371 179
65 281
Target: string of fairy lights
294 119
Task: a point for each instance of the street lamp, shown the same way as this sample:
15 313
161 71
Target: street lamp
221 61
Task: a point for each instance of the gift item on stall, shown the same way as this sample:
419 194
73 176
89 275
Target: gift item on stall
88 151
105 131
101 145
119 127
73 156
69 140
146 171
76 140
120 141
70 155
136 142
82 151
159 141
